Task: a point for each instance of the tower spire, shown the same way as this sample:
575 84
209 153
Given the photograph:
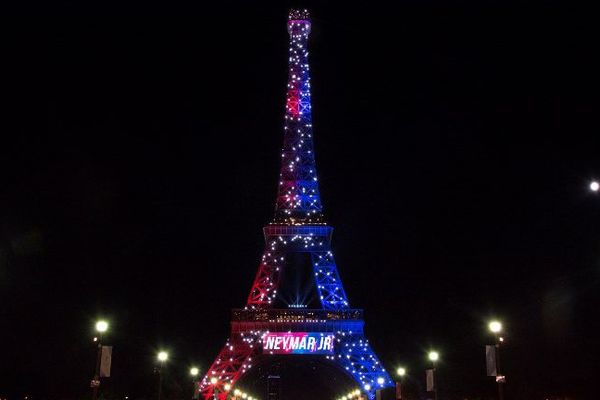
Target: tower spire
298 198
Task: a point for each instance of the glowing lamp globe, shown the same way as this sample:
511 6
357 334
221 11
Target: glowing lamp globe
213 380
163 356
227 387
101 326
367 387
595 186
495 326
401 371
433 356
194 371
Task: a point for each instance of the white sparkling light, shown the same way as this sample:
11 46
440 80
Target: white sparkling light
163 356
101 326
495 326
433 356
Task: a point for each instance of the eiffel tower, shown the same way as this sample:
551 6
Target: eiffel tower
277 320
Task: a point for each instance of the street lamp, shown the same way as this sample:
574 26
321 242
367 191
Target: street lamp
401 371
194 371
213 381
595 186
101 328
496 327
162 357
433 356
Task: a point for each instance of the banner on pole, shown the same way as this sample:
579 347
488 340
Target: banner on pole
398 391
105 361
490 360
430 380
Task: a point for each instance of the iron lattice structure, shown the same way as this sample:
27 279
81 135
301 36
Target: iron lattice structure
298 226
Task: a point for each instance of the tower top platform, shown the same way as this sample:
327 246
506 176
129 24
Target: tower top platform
299 14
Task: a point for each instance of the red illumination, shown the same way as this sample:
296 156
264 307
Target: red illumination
293 103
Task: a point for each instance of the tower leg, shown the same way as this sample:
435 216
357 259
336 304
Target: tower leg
234 359
356 356
329 285
264 288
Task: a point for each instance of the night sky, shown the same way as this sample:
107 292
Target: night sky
455 144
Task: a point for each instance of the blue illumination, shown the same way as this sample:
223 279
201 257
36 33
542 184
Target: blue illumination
356 356
298 226
329 286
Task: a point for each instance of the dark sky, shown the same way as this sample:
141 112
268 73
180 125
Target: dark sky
455 142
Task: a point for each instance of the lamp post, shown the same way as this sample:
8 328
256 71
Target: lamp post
401 371
213 381
194 371
433 356
162 357
101 327
496 327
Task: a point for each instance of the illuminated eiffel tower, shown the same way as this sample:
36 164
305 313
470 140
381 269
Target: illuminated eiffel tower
329 329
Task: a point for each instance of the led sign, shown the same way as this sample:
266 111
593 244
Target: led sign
298 343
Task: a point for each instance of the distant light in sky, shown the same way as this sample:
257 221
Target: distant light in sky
595 186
